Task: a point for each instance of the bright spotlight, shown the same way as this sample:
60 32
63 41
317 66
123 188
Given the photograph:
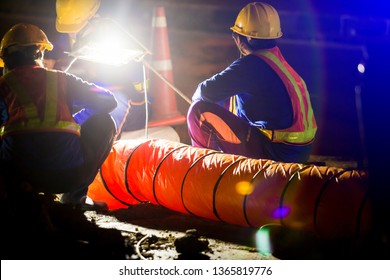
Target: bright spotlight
106 41
103 53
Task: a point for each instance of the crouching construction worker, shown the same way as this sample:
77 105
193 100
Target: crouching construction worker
85 28
259 106
38 132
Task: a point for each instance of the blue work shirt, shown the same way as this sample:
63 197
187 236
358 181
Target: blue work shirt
261 97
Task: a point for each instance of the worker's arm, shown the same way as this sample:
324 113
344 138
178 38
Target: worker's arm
87 99
89 95
220 87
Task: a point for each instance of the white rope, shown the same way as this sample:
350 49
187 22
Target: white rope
137 247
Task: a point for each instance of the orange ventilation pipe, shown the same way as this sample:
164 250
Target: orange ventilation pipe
329 201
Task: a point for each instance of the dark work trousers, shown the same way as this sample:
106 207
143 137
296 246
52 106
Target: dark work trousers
97 136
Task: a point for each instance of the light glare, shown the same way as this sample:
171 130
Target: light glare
263 241
244 188
361 68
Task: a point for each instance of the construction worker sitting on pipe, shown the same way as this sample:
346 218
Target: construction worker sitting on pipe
258 106
39 135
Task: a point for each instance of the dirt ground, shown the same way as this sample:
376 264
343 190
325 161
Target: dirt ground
39 227
160 234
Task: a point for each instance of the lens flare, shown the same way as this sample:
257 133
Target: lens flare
281 212
263 241
361 68
244 188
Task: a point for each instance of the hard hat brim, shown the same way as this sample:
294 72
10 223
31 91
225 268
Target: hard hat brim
238 31
69 28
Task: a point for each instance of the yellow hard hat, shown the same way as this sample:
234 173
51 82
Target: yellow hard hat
25 34
73 15
259 21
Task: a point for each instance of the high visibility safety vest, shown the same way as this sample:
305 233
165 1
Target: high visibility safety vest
304 126
28 119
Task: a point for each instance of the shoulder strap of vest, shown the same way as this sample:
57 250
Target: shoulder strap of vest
51 98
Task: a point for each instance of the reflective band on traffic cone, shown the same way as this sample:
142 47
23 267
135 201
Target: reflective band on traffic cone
164 110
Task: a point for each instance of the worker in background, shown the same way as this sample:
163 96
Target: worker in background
80 19
39 134
258 106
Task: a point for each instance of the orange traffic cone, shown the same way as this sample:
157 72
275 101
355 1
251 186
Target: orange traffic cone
164 110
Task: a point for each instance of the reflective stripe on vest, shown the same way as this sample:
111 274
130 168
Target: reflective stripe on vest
49 122
304 126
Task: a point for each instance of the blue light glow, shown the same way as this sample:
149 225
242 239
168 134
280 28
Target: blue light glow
281 212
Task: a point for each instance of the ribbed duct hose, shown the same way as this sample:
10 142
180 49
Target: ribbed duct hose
329 201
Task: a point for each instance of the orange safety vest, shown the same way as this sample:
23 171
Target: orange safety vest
28 119
304 125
